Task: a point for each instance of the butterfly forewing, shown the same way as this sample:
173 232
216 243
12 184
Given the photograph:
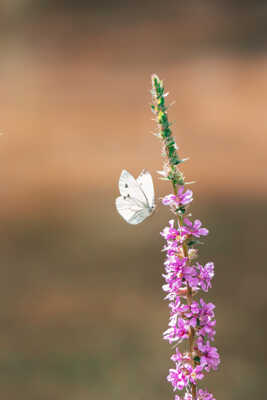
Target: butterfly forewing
145 182
129 187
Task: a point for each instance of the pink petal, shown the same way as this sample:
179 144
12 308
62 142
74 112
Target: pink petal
188 222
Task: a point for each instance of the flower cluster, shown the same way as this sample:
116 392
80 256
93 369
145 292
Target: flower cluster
191 320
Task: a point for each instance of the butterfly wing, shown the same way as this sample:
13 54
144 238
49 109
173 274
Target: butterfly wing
137 197
132 210
145 182
129 187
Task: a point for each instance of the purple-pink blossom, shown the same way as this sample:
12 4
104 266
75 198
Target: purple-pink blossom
183 374
179 357
169 232
195 374
205 275
177 379
178 331
194 228
181 199
209 358
204 395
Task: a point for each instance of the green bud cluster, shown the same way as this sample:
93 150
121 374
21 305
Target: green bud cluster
170 148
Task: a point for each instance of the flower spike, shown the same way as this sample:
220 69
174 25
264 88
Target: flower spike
191 321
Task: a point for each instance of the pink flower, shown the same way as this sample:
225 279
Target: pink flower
209 358
175 263
169 199
181 199
183 328
187 396
178 331
194 228
177 356
177 378
169 232
174 379
180 358
172 247
206 274
196 374
184 374
191 276
204 395
171 335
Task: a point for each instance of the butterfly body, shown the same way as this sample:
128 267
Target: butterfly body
137 200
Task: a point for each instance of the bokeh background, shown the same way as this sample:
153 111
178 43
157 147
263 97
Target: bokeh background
82 310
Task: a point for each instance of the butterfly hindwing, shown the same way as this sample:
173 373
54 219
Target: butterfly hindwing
131 210
139 216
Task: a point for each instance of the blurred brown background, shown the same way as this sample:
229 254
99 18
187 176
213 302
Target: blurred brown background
82 310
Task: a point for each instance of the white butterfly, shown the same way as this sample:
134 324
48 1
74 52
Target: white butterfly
137 200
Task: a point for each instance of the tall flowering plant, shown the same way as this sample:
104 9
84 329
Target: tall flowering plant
192 319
